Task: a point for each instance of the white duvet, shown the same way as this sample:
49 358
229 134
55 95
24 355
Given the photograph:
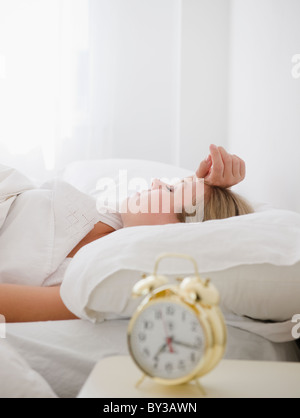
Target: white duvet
18 379
39 226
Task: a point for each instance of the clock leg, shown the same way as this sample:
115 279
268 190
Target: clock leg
139 382
200 387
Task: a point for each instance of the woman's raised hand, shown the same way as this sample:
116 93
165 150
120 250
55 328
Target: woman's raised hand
222 169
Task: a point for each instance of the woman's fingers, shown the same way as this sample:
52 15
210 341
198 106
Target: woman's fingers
218 165
242 169
204 168
228 165
221 168
236 167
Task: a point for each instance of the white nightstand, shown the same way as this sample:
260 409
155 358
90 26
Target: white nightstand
116 377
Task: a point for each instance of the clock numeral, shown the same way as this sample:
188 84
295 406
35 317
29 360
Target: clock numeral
199 342
194 326
157 315
142 336
193 357
146 352
169 367
181 365
170 326
170 310
148 325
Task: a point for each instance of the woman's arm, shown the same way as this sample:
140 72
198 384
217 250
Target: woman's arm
32 304
100 230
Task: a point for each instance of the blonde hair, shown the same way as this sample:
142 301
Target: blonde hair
222 203
219 203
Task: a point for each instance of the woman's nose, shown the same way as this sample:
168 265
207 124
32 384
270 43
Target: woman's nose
156 183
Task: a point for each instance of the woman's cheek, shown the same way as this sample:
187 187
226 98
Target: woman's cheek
178 201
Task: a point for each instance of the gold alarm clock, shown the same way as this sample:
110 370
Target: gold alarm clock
178 332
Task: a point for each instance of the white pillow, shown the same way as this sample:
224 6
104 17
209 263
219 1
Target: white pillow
85 174
254 260
18 380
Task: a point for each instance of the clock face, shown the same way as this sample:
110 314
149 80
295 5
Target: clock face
167 340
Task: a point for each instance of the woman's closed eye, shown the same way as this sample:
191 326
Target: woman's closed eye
170 189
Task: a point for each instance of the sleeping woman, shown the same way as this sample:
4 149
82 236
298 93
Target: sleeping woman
214 200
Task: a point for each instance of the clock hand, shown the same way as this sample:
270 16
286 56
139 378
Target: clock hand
169 340
185 344
163 347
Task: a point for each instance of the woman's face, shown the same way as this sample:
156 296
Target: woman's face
161 204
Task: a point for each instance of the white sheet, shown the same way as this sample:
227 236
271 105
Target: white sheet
64 353
18 379
12 183
39 227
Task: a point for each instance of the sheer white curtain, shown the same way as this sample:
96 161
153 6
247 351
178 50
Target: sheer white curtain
90 79
44 103
87 79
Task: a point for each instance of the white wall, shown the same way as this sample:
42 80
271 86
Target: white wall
135 55
204 78
111 78
27 105
160 78
265 98
169 77
43 84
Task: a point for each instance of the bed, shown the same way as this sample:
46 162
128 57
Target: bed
257 273
64 353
